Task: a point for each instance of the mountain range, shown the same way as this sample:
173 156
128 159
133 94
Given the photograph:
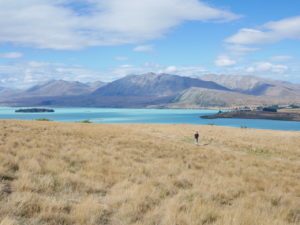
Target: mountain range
152 84
158 90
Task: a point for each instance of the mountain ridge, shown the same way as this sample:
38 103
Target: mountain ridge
58 88
253 85
151 84
159 90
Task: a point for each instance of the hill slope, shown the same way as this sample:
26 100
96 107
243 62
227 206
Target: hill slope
195 97
213 98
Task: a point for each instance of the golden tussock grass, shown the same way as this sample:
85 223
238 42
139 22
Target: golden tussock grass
75 173
296 110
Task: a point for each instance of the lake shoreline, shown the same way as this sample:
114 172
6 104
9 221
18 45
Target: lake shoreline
146 116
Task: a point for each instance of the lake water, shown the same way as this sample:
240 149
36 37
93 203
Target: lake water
155 116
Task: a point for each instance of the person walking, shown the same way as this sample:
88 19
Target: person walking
196 136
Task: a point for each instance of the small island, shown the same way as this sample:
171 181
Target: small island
34 110
265 113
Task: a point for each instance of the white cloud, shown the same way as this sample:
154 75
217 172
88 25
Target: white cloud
224 60
57 24
11 55
270 32
184 70
280 58
157 68
267 67
171 69
143 48
25 74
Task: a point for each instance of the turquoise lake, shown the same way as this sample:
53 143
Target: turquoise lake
155 116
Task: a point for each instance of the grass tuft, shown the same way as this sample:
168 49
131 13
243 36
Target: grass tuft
43 119
86 121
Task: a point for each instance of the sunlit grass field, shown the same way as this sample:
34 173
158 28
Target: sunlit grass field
81 173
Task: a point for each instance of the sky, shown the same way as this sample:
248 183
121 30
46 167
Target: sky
104 40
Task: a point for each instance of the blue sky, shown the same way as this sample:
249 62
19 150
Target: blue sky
90 40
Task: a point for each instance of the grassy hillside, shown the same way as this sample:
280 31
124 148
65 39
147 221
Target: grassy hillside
76 173
201 97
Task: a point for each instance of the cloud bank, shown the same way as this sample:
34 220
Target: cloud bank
267 67
270 32
66 24
26 74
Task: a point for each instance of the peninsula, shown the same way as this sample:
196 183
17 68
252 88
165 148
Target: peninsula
256 114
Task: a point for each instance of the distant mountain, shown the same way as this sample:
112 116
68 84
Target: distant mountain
8 92
248 84
58 88
255 85
2 89
52 88
201 97
95 85
5 90
159 90
247 90
152 84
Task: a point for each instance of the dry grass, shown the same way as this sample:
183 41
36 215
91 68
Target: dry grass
281 145
76 173
290 110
